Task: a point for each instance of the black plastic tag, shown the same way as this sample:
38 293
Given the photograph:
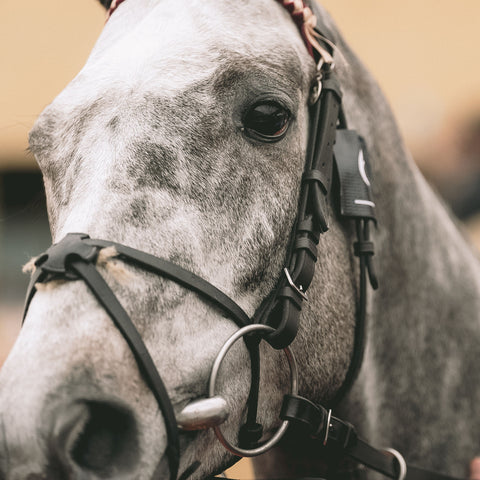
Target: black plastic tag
351 158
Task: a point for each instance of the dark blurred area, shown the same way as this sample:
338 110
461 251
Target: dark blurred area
452 166
24 233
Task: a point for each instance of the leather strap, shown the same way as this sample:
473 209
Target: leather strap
72 259
144 260
179 275
283 309
120 318
341 439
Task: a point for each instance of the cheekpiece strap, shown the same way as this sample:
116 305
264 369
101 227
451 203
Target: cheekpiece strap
283 314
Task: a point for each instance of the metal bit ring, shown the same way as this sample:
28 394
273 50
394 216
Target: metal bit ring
242 452
402 464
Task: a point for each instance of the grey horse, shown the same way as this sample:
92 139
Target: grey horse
148 147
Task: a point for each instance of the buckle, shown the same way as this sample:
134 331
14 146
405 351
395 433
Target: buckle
298 289
402 464
340 435
327 428
306 415
55 261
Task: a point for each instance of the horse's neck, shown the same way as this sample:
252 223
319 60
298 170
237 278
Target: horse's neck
419 381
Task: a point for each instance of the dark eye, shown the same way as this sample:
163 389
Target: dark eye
267 122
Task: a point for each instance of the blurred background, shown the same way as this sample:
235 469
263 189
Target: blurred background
423 53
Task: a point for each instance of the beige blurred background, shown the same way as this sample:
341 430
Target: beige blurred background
424 53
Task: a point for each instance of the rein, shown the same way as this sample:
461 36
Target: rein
333 151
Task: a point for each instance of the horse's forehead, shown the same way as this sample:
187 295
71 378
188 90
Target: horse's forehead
177 44
161 82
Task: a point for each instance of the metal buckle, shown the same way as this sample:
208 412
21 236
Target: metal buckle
316 89
402 464
323 65
241 452
298 289
327 430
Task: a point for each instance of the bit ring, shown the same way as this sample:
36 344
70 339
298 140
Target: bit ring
402 465
242 452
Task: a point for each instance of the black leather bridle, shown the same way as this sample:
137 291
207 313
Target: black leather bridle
74 258
332 151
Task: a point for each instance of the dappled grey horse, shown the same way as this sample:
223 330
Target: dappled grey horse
185 136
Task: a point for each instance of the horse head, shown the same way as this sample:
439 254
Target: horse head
183 141
184 136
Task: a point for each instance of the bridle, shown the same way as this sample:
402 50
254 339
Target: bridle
332 150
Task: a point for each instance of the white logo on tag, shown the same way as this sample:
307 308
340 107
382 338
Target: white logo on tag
361 168
363 174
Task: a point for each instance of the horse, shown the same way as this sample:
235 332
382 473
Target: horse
185 136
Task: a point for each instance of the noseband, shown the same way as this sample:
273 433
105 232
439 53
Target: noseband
332 150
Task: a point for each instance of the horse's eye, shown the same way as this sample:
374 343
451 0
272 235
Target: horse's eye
267 122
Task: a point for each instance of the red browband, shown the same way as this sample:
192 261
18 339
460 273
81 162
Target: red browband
304 19
113 7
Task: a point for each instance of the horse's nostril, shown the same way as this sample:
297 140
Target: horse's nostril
96 437
107 444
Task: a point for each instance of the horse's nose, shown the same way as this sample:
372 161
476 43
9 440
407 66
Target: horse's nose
96 439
